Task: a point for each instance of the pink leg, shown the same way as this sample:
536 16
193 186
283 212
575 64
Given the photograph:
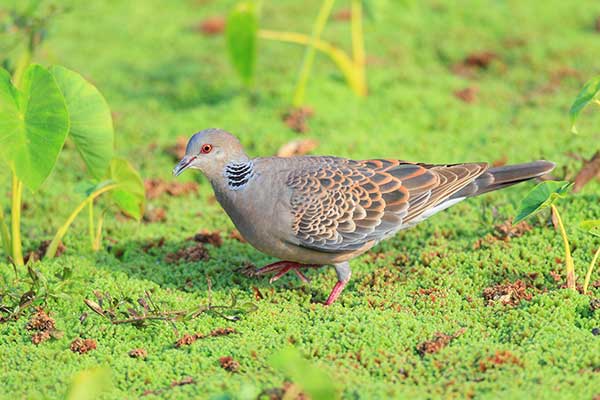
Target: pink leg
281 268
335 292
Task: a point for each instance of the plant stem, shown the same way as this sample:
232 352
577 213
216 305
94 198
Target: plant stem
588 275
339 57
98 239
4 234
309 55
568 258
60 233
358 46
15 214
91 223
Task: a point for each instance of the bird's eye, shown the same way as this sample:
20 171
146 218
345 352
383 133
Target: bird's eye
206 148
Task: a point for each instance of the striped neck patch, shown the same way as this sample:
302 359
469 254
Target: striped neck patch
238 174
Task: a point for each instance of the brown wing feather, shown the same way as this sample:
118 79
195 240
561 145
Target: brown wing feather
339 204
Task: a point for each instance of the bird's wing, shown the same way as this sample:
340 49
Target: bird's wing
340 205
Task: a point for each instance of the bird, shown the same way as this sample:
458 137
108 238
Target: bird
313 211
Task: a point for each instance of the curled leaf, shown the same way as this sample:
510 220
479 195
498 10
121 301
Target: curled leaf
540 197
587 94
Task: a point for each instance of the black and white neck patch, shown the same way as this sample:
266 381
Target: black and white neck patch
238 174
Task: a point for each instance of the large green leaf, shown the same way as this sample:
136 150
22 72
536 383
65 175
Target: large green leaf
90 384
587 94
33 124
542 196
130 195
241 34
91 125
314 381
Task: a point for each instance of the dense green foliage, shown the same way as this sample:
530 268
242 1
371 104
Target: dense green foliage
163 79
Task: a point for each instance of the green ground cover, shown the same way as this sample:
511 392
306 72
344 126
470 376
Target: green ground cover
163 79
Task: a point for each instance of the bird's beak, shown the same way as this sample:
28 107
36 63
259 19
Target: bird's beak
183 164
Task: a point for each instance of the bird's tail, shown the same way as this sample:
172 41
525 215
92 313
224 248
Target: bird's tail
501 177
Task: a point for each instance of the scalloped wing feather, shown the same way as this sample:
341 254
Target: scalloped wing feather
340 205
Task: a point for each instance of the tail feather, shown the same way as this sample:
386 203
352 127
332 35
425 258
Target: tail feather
501 177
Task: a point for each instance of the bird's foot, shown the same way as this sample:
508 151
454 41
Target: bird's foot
335 292
281 268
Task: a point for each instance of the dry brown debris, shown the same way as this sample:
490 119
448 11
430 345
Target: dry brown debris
288 391
595 304
38 254
297 118
212 238
590 169
155 215
178 150
188 339
138 353
157 187
499 358
508 294
236 235
194 253
345 14
468 95
439 341
229 364
43 326
153 244
212 26
473 62
507 229
82 346
499 162
298 147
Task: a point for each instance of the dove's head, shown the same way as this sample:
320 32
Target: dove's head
210 151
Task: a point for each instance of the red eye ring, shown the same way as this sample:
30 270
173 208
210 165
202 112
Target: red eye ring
206 148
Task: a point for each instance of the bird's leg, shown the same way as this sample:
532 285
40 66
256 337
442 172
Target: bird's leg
281 268
343 273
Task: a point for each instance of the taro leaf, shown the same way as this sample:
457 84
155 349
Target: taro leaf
540 197
241 34
591 226
90 384
130 195
585 96
33 124
91 125
314 381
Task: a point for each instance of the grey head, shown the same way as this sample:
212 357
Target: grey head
210 151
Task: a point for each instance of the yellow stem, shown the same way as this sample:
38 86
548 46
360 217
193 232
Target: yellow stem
22 65
309 55
91 223
98 240
4 234
339 57
588 275
568 258
358 45
60 233
15 220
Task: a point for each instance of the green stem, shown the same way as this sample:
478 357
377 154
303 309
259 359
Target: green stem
358 46
339 57
17 191
568 258
4 234
588 275
60 233
91 223
309 55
